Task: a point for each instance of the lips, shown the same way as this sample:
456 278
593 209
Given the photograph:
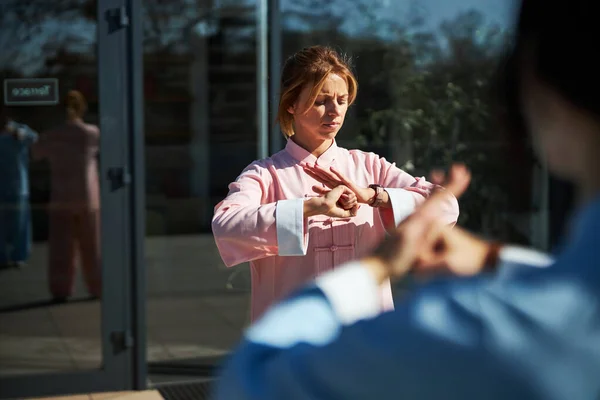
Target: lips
332 124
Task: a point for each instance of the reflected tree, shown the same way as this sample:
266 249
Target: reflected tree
441 110
34 31
426 100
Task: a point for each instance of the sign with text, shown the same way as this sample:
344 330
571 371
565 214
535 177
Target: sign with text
31 92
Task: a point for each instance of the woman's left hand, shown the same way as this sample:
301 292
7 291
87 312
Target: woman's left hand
333 178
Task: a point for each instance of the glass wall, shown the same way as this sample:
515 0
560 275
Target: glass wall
50 279
201 131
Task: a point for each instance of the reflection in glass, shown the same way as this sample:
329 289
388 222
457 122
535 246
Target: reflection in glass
49 191
200 131
71 150
15 212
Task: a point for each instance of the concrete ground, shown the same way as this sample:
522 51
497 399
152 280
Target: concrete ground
196 309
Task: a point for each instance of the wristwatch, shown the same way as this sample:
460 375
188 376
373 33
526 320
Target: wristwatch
492 258
378 198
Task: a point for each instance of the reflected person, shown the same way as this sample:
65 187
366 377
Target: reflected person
74 211
15 211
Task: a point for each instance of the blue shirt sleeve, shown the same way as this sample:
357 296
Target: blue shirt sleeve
531 334
27 135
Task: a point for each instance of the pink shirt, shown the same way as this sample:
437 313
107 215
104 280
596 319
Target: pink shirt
261 219
72 151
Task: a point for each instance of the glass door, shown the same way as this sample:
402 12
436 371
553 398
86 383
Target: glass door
65 307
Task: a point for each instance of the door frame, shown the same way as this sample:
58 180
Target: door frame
123 333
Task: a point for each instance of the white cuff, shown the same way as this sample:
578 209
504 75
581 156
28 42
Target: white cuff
403 203
289 220
521 256
352 292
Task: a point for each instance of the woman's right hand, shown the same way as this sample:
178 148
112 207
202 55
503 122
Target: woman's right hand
334 203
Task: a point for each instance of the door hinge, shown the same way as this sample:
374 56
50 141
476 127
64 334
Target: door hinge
121 340
119 177
117 18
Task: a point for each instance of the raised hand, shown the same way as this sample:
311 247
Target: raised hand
455 251
333 178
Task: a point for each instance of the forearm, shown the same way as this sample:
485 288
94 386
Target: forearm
452 251
483 256
386 200
245 233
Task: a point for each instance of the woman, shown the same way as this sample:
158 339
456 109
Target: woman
74 211
15 213
279 213
526 326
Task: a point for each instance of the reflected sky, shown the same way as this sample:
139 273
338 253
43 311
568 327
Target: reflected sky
497 12
27 46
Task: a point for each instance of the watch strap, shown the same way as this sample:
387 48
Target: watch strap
377 200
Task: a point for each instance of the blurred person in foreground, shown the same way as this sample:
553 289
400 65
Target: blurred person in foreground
513 323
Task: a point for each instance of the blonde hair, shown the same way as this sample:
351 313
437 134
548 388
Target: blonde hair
311 66
75 103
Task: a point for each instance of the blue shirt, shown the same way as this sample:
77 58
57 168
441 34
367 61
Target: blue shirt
14 161
529 331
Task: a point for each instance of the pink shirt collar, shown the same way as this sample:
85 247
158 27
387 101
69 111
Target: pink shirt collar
301 155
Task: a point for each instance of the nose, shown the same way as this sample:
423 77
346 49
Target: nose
334 109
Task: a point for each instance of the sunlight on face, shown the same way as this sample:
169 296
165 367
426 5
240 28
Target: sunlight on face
323 119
